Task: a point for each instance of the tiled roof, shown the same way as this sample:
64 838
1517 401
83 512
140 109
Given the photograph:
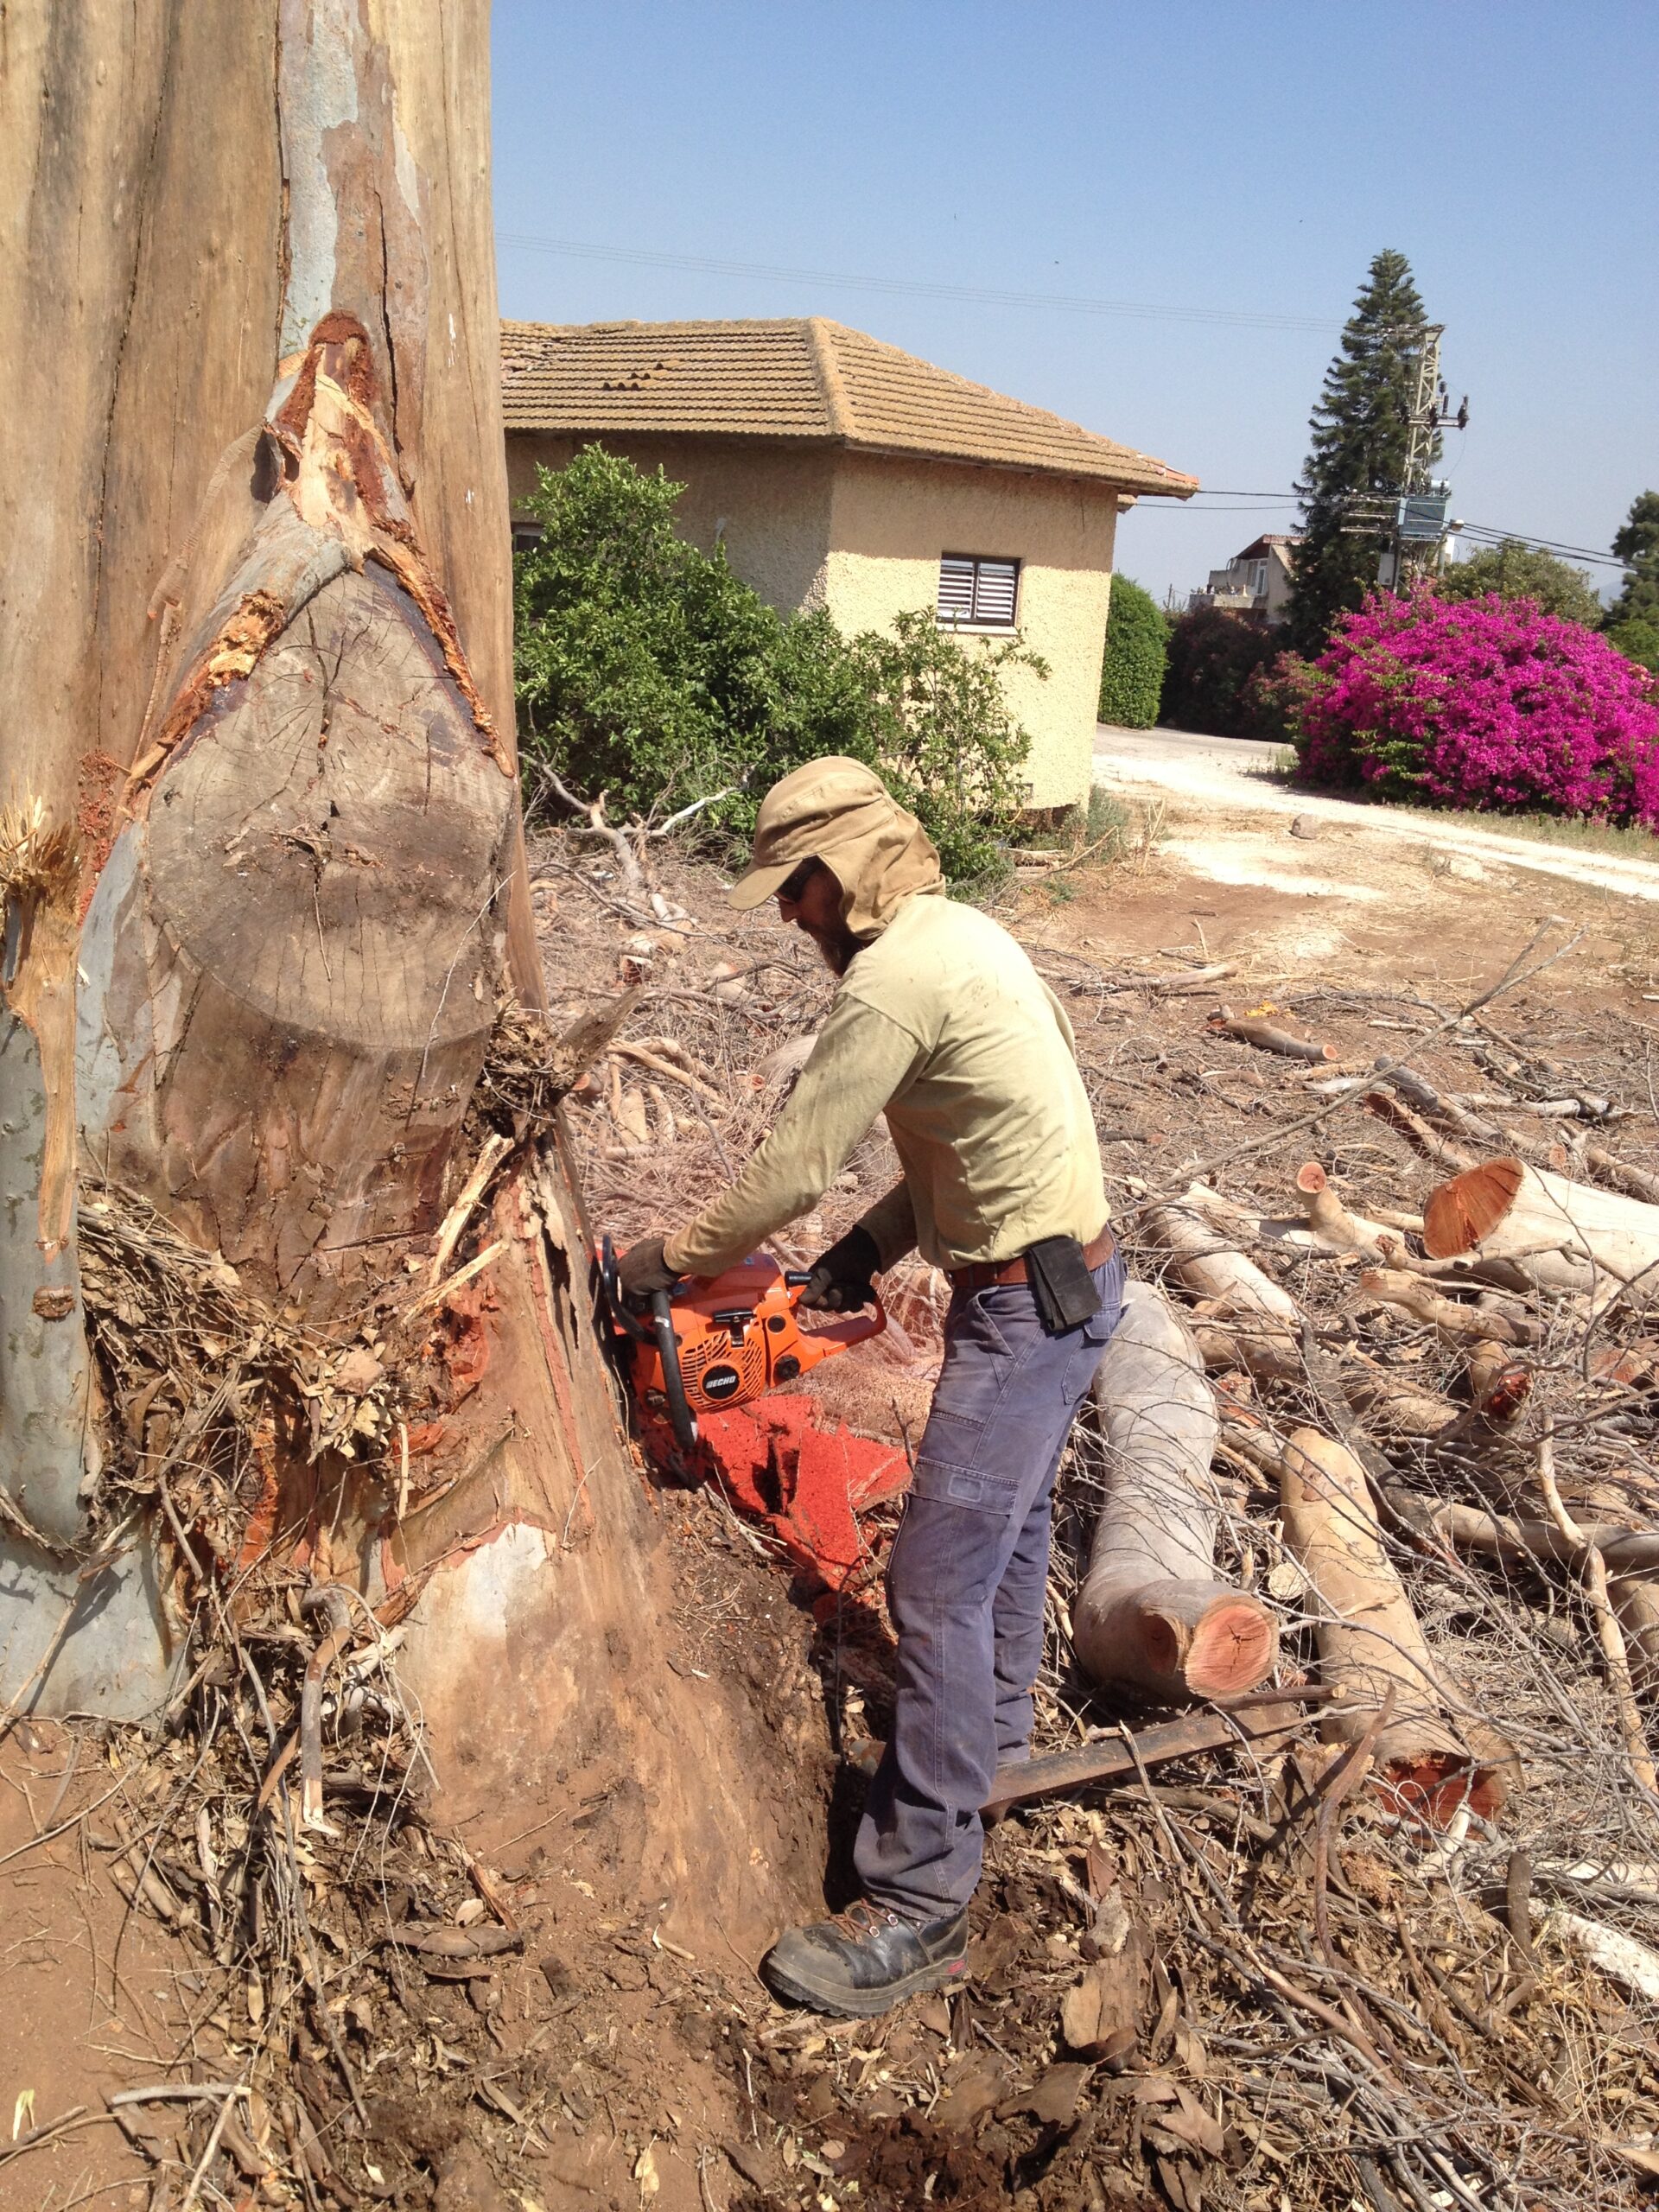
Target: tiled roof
799 380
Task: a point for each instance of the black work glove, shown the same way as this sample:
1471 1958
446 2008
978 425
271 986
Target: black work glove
840 1280
640 1270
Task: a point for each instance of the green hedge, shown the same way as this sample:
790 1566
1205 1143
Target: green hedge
1131 674
1212 657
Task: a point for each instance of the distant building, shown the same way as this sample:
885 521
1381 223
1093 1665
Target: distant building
1255 581
841 473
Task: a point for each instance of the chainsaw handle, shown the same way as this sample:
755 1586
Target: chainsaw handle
615 1298
668 1351
853 1329
659 1333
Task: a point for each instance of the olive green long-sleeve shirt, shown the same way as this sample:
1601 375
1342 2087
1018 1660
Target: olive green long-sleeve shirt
942 1022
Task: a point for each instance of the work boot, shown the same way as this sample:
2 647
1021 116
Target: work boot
858 1962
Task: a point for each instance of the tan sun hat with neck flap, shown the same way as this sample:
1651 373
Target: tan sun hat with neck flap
838 811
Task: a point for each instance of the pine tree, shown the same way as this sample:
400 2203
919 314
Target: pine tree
1637 541
1361 429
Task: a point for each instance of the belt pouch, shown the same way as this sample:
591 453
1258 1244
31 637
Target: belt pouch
1060 1283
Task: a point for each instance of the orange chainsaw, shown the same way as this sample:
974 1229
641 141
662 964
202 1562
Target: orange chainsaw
707 1346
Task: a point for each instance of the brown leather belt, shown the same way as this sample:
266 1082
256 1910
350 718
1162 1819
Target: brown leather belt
982 1275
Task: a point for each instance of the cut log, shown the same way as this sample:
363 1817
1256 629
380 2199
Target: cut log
1385 1400
1242 1224
1267 1039
1427 1100
1203 1263
1333 1225
1635 1182
1151 1610
1370 1642
1506 1210
1518 1543
1415 1130
1556 1272
1460 1324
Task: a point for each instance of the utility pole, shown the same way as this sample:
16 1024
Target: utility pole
1421 514
1415 514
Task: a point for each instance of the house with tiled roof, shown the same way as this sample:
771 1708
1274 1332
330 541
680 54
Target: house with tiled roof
841 473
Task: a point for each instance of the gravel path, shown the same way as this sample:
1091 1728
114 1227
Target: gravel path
1234 776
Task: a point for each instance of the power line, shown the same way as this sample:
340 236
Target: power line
1483 533
639 256
1489 536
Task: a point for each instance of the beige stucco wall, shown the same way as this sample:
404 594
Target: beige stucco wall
769 505
891 520
862 536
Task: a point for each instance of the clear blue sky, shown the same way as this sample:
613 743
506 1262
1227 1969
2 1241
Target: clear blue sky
1248 158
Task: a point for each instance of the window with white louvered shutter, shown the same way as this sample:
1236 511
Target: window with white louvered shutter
978 591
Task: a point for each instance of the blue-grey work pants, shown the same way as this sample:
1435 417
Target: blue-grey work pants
966 1585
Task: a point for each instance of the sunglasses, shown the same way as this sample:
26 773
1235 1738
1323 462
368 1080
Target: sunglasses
793 886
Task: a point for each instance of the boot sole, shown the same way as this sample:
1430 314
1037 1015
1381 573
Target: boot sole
866 2004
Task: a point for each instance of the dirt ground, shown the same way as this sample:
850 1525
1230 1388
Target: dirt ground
1229 810
601 2064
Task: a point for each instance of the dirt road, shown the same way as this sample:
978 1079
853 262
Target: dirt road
1231 818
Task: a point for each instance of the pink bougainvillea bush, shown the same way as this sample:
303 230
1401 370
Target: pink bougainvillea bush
1485 703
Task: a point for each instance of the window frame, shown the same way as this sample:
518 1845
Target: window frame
975 624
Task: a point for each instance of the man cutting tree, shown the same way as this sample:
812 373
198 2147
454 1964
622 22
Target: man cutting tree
942 1024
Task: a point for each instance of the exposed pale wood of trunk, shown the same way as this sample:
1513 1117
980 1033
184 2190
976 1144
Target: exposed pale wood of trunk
262 863
1152 1610
1202 1260
1505 1208
1370 1640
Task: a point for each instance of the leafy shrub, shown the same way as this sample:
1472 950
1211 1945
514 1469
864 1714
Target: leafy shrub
1212 655
1487 703
1275 697
1637 640
940 731
1514 570
647 671
1132 673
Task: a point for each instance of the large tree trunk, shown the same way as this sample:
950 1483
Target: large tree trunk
264 878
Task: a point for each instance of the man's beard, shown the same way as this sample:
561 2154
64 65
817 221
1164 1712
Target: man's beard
839 950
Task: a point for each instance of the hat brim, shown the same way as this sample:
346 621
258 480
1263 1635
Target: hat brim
759 883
